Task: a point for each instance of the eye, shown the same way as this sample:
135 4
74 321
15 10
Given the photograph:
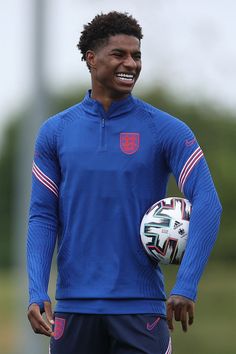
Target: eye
137 56
118 54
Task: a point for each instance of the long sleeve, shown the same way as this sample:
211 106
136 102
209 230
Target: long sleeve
204 225
188 164
43 214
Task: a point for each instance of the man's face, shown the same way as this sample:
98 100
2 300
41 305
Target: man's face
116 66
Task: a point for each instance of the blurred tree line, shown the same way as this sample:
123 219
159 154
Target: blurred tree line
214 129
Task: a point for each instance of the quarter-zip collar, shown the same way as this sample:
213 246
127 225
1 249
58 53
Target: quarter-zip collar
116 109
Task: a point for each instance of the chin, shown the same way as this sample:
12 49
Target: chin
125 90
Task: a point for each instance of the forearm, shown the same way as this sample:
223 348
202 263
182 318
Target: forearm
204 225
40 247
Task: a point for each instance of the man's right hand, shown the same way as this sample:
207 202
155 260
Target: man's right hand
38 324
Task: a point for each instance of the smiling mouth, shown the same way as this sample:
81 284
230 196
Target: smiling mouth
125 77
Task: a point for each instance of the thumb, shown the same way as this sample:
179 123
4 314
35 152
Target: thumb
48 312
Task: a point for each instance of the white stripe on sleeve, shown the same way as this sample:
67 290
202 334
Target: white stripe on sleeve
44 179
189 165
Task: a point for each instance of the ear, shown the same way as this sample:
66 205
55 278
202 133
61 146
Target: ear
91 59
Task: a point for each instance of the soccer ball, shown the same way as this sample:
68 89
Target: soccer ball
164 230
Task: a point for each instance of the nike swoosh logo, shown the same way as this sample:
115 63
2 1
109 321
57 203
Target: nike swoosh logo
190 142
151 326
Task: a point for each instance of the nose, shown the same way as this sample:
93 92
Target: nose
129 62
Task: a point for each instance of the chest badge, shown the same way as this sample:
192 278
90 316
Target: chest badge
129 142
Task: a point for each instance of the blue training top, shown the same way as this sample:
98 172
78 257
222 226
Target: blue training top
95 174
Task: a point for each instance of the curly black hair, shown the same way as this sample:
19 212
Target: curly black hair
97 32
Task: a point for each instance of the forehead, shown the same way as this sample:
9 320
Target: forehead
122 41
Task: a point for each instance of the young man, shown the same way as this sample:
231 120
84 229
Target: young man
98 167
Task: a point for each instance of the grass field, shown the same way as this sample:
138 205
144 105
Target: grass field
215 320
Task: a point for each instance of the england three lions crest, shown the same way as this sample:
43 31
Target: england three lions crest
59 327
129 142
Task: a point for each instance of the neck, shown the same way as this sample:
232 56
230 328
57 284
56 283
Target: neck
106 101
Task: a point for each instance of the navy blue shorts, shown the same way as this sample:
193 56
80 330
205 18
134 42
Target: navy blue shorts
110 334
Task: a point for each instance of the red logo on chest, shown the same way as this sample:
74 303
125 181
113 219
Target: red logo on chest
59 327
129 142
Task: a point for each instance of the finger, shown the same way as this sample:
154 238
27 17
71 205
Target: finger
48 312
184 319
170 317
177 313
191 315
37 322
42 330
40 327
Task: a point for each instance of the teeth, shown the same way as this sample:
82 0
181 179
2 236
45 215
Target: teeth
124 76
